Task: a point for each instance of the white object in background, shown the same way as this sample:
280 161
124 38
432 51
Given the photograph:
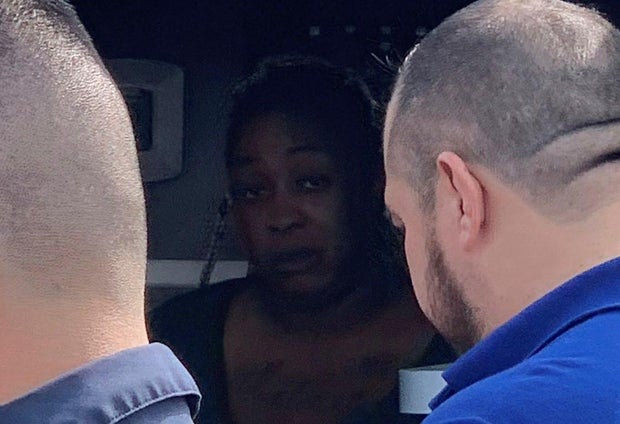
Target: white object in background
225 270
163 85
184 273
418 386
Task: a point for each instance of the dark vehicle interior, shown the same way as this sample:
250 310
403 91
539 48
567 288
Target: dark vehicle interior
210 45
322 248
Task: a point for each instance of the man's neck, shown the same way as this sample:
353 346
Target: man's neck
41 344
341 312
559 254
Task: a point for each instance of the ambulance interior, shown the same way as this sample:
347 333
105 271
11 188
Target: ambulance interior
176 62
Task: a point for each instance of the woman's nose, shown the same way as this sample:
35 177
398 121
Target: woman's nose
285 213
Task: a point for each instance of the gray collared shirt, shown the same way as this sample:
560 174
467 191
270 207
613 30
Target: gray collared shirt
142 385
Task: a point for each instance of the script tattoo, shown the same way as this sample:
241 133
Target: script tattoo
270 385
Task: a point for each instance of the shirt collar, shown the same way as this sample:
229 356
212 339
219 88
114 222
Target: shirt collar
536 326
105 389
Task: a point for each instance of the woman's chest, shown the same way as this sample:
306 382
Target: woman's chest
273 379
315 386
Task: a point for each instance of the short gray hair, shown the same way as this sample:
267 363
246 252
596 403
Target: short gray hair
500 82
70 193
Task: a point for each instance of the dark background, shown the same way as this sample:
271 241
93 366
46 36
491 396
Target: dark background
216 42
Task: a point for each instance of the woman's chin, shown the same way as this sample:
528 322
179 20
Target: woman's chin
302 284
299 292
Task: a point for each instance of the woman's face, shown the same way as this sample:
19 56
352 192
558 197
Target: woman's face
289 204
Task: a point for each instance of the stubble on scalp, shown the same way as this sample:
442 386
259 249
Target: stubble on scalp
515 79
71 202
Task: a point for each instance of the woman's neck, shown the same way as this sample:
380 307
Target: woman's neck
342 310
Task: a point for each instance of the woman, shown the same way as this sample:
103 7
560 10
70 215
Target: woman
326 317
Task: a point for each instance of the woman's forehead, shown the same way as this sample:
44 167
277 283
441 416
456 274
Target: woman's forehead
276 133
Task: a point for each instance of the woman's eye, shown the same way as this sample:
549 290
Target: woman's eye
313 183
247 193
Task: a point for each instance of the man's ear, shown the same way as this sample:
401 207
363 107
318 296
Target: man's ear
466 201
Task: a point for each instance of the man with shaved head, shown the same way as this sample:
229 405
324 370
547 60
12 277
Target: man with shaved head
502 148
73 345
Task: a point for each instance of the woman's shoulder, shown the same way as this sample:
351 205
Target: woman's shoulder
192 310
192 325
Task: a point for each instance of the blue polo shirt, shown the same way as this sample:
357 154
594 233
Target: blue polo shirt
558 361
142 385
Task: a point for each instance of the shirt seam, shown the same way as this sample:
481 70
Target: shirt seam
126 414
568 326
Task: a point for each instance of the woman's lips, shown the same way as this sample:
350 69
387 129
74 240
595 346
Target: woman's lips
291 261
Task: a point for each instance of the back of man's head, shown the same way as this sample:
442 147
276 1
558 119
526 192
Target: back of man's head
502 142
513 85
72 221
71 204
